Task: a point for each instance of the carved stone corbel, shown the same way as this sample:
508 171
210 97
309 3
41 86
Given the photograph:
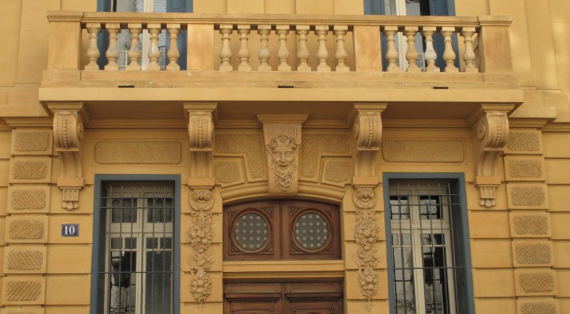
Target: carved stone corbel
491 131
282 135
201 135
367 129
67 132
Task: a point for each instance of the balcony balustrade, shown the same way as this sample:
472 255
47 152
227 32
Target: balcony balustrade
278 43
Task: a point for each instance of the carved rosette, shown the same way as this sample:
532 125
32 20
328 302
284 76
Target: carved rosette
200 235
366 233
283 160
491 130
68 131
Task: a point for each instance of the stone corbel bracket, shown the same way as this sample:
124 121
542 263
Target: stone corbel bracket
201 117
68 127
282 135
366 119
491 130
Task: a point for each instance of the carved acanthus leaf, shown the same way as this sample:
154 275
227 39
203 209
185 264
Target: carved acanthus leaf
68 131
491 130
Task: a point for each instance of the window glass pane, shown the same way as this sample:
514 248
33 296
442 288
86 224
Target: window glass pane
158 282
124 210
311 230
430 207
399 208
251 231
160 209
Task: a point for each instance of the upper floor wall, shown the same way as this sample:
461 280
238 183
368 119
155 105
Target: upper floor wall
540 55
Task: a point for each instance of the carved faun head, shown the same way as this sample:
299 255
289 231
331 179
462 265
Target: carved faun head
282 149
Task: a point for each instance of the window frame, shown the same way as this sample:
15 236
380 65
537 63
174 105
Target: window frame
461 245
99 227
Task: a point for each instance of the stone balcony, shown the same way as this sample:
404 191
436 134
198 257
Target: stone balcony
304 62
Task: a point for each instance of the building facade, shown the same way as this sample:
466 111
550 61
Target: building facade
263 156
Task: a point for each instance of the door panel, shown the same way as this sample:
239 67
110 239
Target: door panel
283 298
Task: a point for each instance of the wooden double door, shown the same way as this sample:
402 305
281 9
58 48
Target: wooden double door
283 298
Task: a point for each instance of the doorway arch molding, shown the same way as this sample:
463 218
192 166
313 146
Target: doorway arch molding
307 191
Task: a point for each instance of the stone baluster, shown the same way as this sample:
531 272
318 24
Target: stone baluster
112 52
264 54
153 51
226 52
412 53
302 51
340 54
173 53
391 53
430 55
244 53
322 53
93 51
134 53
469 54
283 53
449 55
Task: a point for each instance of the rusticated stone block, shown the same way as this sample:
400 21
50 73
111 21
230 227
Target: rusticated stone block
524 169
30 170
432 151
28 198
228 172
528 224
138 152
527 196
532 253
537 306
26 229
23 290
336 172
524 142
25 259
23 310
535 282
315 145
245 145
32 142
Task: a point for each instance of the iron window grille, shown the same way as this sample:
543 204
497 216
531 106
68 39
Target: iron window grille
428 256
136 248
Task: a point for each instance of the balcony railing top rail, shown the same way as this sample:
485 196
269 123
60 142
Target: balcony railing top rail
410 43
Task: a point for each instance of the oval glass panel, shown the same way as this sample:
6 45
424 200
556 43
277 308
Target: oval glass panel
311 231
251 231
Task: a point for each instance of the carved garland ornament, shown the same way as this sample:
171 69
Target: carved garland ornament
68 131
366 234
282 149
201 234
492 130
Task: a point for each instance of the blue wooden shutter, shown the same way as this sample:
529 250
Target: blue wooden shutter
180 6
